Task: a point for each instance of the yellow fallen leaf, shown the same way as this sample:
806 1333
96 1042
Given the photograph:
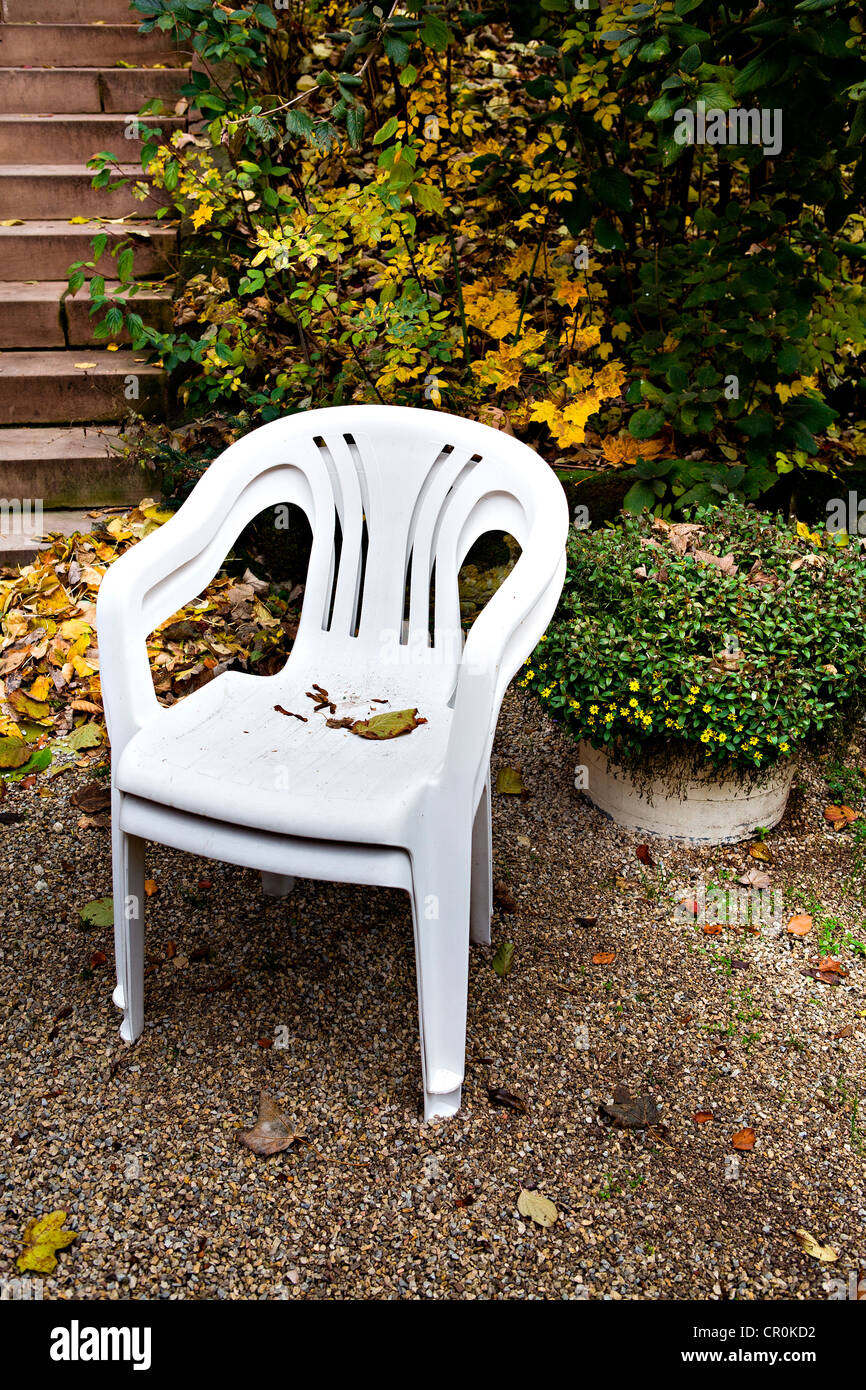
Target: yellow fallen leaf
84 365
78 221
11 222
112 347
40 688
539 1209
43 1236
510 782
74 628
825 1253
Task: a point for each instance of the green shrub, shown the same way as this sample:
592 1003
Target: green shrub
489 209
728 635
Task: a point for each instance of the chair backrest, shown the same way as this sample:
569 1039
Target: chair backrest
395 498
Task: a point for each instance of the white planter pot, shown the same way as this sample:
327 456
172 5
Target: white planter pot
703 808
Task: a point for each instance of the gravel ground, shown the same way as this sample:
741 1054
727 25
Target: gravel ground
140 1145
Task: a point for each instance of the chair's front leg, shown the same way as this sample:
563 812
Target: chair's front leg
127 853
441 890
481 907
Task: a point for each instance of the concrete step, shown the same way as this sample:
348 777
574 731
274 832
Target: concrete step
47 249
76 45
70 12
73 467
62 91
71 139
39 388
35 315
66 190
22 537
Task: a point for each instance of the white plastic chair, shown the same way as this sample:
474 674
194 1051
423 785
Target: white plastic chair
223 774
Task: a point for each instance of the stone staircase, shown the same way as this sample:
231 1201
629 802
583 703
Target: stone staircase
69 85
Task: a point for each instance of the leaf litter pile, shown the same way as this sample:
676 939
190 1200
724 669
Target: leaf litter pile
51 713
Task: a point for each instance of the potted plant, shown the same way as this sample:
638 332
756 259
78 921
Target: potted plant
693 660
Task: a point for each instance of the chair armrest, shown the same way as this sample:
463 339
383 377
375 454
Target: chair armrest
156 577
500 640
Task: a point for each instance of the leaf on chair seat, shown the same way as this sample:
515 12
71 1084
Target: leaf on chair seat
272 1131
99 913
390 725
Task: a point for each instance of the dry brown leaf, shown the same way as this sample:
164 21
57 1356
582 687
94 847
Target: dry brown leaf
828 966
754 878
840 817
539 1209
702 1117
825 1253
604 958
744 1140
800 924
272 1131
759 851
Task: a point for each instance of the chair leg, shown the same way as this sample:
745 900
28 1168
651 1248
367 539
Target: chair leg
128 894
440 908
481 908
277 885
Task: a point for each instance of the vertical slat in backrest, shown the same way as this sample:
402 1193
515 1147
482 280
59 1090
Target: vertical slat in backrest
480 501
342 465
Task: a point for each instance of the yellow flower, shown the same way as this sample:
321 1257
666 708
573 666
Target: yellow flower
633 702
634 685
694 689
706 709
593 709
783 747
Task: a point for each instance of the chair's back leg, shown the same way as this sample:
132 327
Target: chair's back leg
277 885
481 905
441 889
127 852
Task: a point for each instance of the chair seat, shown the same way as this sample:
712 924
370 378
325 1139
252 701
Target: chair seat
226 753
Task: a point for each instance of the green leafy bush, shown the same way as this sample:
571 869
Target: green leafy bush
490 209
728 634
